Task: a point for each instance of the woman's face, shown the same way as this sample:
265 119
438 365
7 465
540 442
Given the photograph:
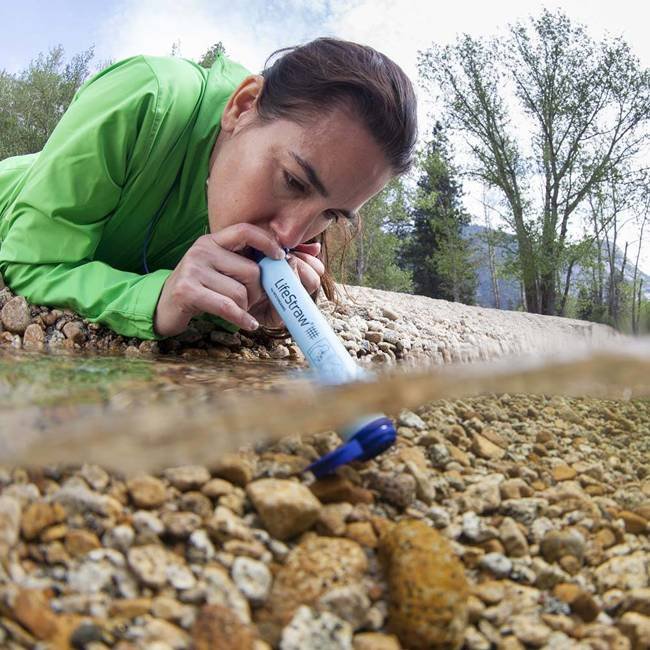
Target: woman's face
290 179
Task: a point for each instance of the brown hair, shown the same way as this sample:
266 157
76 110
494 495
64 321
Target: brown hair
328 72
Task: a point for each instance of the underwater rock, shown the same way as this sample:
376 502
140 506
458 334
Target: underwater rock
427 588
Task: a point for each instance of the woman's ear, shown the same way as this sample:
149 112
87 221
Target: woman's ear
240 109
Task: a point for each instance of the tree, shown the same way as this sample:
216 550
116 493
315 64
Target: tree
211 54
32 102
436 253
582 107
368 256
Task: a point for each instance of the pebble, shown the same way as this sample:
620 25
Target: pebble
350 603
149 564
147 491
484 448
398 489
39 515
412 420
187 477
316 631
252 578
286 507
310 570
556 544
218 628
496 563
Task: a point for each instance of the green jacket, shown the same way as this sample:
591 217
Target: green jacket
127 163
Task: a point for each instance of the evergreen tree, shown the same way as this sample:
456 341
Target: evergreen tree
438 257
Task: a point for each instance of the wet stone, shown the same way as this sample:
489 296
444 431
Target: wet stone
286 507
146 491
398 489
218 628
187 477
252 578
317 631
427 587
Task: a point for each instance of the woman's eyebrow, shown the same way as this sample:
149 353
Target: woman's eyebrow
312 176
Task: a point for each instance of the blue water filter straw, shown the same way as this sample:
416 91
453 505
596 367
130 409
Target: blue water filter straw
364 438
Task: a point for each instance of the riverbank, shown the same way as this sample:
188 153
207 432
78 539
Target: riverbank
376 327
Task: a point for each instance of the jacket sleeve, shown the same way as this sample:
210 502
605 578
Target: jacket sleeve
57 219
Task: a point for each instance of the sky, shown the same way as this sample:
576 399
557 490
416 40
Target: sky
251 29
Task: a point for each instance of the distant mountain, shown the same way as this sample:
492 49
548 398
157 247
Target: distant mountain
509 290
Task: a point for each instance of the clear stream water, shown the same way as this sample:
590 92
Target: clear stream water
140 414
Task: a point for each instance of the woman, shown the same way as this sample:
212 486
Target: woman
160 177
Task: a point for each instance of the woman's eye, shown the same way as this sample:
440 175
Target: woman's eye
293 183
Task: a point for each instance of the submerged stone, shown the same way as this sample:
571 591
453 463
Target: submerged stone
427 588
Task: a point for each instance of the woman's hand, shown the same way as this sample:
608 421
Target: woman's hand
213 277
306 265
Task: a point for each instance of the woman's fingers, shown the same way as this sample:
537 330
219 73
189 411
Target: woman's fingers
309 270
224 306
241 235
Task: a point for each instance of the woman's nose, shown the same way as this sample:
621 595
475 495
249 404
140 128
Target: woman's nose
290 228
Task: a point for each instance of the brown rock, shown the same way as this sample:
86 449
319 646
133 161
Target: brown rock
636 627
459 455
556 544
217 487
563 473
398 489
637 600
147 491
286 507
39 515
331 519
605 537
336 488
32 610
180 524
311 569
485 448
34 336
130 607
238 469
15 315
54 533
375 641
74 331
427 587
635 524
363 533
581 602
187 477
490 592
219 628
78 542
495 437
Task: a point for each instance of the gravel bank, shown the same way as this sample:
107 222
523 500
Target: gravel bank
376 327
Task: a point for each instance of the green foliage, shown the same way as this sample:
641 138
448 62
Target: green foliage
33 101
370 258
211 54
436 253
